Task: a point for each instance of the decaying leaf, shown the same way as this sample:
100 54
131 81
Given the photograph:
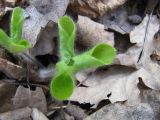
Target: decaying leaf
39 13
91 33
76 111
148 70
94 8
147 59
37 115
51 9
7 91
25 97
121 112
117 20
45 43
33 24
12 70
18 114
120 82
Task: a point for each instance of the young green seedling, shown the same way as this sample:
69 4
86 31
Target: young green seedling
62 85
15 43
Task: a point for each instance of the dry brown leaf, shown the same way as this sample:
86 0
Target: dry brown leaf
7 91
121 112
94 8
38 14
51 9
120 82
130 58
12 70
45 43
150 66
25 97
19 114
33 24
117 20
91 33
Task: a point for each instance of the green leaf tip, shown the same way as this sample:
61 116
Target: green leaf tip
62 86
104 53
67 30
15 43
100 55
17 21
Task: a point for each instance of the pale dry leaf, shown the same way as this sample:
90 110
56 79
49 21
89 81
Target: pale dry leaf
148 60
94 8
121 112
51 9
18 114
91 33
37 115
76 111
39 14
33 24
25 97
45 43
117 20
130 58
120 82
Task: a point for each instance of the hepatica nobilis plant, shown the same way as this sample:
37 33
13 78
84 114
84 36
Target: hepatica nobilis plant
63 83
14 43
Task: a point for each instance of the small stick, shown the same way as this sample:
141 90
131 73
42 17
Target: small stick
26 56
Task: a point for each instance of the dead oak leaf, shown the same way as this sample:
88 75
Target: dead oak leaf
25 97
94 8
116 84
151 48
91 33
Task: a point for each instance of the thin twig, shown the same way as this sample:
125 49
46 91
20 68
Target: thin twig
32 59
145 37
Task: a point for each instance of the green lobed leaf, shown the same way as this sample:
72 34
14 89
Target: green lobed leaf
17 23
67 30
62 86
100 55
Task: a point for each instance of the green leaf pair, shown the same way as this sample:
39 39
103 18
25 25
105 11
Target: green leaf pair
15 43
63 83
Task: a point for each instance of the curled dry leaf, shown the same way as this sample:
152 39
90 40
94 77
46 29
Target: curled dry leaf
18 114
121 112
148 61
25 97
94 8
91 33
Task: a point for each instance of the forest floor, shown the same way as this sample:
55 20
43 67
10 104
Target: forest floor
128 89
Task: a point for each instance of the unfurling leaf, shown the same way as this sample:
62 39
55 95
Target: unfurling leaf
15 43
67 30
